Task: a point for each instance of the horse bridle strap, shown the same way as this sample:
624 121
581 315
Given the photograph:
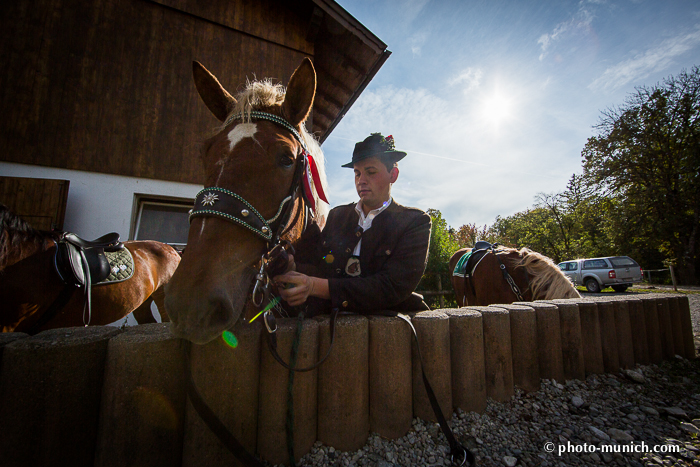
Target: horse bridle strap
220 202
468 277
271 328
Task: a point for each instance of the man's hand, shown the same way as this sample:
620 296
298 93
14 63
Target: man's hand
294 287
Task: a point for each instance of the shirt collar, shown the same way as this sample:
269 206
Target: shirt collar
373 213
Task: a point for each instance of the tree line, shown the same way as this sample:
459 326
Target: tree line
638 194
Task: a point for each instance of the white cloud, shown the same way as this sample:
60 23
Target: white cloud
580 22
470 77
416 42
642 65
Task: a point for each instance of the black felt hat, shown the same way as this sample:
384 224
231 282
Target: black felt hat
375 145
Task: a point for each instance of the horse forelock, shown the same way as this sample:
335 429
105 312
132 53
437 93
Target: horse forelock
14 232
265 96
545 277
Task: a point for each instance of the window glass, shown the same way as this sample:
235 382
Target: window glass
573 266
165 222
595 264
564 266
623 262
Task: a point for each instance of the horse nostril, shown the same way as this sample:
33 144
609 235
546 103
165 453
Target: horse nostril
220 316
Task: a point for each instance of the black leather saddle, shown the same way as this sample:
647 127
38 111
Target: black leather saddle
81 262
478 252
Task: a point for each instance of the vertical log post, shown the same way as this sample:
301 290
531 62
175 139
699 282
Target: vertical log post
467 360
687 327
590 333
390 377
433 330
608 335
50 396
524 345
274 393
668 349
548 339
498 357
571 341
640 342
343 383
143 400
623 325
651 318
228 379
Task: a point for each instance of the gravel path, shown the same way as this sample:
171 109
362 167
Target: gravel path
654 407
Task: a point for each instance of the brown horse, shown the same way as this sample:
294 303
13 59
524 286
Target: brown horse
536 277
29 283
262 169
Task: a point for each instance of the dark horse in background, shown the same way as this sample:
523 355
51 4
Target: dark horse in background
264 179
30 283
535 276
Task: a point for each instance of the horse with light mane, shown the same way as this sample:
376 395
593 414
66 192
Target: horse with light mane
536 278
30 283
264 179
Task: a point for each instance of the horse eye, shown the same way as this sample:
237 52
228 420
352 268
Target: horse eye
286 160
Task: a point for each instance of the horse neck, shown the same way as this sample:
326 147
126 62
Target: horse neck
25 249
27 287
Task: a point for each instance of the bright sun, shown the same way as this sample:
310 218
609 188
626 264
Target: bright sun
497 108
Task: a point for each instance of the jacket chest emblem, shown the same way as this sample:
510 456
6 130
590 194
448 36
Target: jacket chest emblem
352 268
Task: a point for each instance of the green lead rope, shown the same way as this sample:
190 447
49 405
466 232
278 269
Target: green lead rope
290 391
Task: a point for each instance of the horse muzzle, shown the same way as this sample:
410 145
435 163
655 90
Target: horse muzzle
201 314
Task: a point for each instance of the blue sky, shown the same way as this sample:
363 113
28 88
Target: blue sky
494 100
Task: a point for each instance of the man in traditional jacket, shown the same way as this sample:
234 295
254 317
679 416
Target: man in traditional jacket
371 254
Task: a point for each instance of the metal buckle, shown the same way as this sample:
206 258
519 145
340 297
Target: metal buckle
269 315
260 289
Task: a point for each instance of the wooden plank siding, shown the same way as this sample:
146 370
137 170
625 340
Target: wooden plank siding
40 202
106 85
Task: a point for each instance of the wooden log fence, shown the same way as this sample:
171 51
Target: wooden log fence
104 396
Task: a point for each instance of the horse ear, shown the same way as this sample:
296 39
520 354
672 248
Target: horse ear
216 98
300 93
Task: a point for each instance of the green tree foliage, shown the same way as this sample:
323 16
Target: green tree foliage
646 159
437 276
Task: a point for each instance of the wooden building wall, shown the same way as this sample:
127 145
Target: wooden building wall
40 202
106 85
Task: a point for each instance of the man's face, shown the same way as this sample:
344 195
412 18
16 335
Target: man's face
373 181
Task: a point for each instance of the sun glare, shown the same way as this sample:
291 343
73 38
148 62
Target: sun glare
497 108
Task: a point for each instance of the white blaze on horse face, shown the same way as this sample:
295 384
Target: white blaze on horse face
244 130
238 133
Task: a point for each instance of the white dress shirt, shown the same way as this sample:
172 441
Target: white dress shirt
366 221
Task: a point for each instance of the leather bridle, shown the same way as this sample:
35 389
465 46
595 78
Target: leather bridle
225 204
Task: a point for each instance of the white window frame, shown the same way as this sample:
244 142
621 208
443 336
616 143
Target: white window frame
141 199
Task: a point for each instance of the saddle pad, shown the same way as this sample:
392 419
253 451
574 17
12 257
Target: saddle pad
461 266
121 266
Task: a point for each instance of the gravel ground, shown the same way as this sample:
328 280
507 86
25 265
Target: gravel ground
653 407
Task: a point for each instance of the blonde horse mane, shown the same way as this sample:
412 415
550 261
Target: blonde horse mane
262 95
545 276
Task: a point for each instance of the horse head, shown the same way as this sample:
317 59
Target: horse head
256 165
